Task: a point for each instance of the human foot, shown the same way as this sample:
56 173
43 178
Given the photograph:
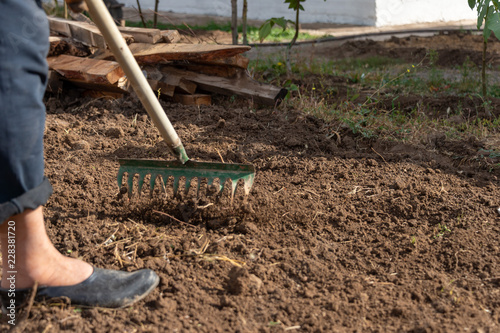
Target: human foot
29 255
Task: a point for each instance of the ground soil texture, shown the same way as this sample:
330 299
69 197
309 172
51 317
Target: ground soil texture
339 233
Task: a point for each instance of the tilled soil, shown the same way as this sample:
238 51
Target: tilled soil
339 233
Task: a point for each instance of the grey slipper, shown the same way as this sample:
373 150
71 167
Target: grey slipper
104 288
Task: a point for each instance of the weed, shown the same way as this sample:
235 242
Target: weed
442 230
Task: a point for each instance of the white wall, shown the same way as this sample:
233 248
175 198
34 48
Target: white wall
394 12
362 12
329 11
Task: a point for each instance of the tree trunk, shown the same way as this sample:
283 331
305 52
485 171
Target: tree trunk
234 21
483 80
155 16
140 13
288 49
244 22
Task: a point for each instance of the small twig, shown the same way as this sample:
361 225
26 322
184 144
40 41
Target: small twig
382 157
312 192
117 255
205 206
107 241
278 191
24 320
138 224
173 218
218 152
49 326
68 318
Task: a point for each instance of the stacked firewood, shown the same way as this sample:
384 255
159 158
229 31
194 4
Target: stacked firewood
185 73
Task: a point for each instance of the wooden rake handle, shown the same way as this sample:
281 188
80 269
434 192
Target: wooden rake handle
102 18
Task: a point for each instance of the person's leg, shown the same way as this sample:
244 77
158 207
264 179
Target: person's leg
24 35
36 259
24 189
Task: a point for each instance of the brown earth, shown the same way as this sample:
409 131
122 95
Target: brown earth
339 234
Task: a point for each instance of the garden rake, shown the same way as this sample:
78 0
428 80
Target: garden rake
183 167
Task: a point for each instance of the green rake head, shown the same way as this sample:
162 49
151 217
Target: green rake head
190 170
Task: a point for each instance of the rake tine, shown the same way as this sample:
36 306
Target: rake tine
141 182
198 187
233 188
187 185
130 184
152 181
120 179
176 184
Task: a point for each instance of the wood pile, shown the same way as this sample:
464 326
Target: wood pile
180 72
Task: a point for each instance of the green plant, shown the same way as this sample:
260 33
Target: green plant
442 230
488 15
436 76
266 28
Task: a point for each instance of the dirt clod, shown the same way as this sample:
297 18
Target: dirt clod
114 132
241 282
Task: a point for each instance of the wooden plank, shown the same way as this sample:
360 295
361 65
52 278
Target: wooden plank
162 52
170 36
87 70
180 83
59 26
223 71
241 86
84 32
143 35
196 99
238 60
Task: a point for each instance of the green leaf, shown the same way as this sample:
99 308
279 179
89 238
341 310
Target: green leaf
486 34
493 24
472 4
295 4
483 10
281 21
265 29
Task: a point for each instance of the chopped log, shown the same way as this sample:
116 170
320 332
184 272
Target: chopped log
162 89
196 99
143 35
64 45
242 86
170 36
181 84
84 32
162 52
88 73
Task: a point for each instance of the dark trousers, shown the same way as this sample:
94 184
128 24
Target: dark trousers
24 45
